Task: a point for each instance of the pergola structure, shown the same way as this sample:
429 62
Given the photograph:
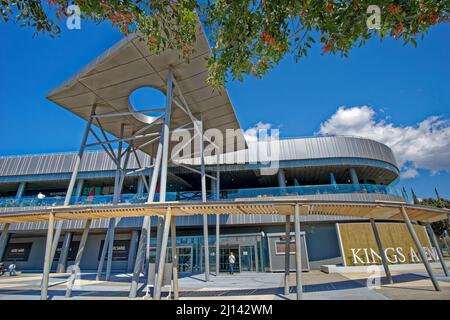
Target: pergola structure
100 94
288 207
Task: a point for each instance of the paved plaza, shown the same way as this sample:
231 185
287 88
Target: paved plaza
245 286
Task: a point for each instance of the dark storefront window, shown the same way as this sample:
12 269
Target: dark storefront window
18 251
73 249
120 250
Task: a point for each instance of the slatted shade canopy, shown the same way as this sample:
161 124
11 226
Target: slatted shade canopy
364 210
108 81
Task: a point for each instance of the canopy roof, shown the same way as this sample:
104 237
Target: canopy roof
377 210
108 81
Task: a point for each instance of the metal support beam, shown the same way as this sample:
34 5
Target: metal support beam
118 181
79 190
48 256
287 253
76 265
144 239
298 253
164 165
173 234
139 257
438 249
159 230
162 259
217 183
203 184
4 240
166 136
354 177
132 251
72 181
20 190
110 250
134 137
381 250
140 185
112 153
420 249
281 178
62 261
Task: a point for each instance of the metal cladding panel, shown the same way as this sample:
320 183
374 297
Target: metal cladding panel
290 149
182 221
332 147
63 163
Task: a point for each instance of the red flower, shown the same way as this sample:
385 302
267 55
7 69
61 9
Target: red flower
397 30
326 48
393 9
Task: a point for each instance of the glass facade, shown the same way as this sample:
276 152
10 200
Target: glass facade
247 248
230 194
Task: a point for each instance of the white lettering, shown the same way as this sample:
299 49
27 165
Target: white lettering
355 256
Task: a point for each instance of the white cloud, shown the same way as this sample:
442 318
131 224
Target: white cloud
424 145
410 173
251 134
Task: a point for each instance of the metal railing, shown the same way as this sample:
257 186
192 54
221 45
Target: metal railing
228 194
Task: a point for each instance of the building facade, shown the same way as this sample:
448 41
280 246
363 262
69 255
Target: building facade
319 168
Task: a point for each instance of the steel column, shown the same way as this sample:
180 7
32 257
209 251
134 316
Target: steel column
72 181
103 254
173 234
144 239
110 249
48 257
438 249
76 265
281 178
165 154
217 182
381 250
140 185
354 177
62 261
20 190
118 181
159 227
298 253
420 249
162 259
4 240
287 253
203 183
166 136
332 179
139 257
79 190
132 251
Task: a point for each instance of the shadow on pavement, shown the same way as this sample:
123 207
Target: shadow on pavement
279 291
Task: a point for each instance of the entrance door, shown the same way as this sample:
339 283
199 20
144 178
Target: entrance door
247 257
224 254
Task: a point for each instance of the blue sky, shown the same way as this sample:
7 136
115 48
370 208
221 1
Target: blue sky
402 85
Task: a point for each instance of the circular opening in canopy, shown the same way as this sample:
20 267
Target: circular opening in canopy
149 102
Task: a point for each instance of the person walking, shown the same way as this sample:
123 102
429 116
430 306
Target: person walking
231 262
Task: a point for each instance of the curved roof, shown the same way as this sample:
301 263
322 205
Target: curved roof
321 147
108 81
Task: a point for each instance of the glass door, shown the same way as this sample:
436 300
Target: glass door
247 257
223 258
